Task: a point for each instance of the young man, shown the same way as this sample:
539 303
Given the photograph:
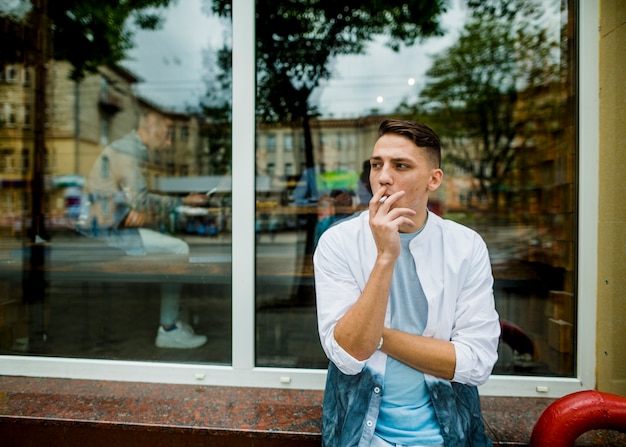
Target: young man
405 307
120 204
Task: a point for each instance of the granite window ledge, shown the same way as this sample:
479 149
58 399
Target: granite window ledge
42 411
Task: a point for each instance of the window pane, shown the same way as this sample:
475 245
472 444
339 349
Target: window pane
498 87
115 226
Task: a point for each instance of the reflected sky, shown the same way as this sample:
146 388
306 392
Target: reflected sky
170 60
170 63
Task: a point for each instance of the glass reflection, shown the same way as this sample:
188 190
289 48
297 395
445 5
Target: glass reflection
499 89
115 234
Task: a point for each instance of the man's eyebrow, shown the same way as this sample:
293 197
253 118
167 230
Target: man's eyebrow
393 160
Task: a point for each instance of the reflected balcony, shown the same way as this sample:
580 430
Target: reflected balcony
110 102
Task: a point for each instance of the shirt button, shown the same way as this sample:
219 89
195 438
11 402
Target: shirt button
376 390
369 423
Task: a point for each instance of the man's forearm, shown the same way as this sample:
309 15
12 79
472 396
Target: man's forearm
429 355
360 329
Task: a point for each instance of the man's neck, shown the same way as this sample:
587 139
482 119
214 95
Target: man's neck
419 221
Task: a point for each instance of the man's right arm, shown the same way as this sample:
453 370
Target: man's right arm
360 330
337 290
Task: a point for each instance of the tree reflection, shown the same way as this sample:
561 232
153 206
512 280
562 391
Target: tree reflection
483 91
297 41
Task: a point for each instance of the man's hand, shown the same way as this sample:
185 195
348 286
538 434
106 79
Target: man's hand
386 221
195 199
135 219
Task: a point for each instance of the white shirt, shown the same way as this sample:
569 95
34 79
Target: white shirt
453 266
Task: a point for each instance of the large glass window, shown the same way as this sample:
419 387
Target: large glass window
496 83
121 249
270 110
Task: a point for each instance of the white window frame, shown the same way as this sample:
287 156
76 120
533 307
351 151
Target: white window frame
243 371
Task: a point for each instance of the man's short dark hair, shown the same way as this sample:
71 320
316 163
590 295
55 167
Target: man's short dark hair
419 133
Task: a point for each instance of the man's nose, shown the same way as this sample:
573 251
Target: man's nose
385 177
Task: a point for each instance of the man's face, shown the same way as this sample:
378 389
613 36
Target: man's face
160 134
399 165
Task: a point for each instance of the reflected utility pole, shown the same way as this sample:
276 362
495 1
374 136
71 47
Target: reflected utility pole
34 274
40 50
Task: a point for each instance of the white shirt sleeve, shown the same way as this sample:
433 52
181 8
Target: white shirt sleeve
336 291
476 327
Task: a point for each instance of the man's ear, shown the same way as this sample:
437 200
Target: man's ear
436 177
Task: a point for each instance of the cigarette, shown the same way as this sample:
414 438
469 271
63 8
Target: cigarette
382 199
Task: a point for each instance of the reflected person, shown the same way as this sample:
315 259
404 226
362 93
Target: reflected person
317 187
327 212
120 205
363 188
405 307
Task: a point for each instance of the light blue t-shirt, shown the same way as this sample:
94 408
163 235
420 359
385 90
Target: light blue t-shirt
406 413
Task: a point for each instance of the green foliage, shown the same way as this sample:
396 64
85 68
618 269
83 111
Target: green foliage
298 39
87 33
474 86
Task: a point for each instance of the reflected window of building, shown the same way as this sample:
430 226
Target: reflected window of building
5 159
270 142
271 169
27 119
25 160
104 88
27 76
104 130
11 73
184 133
288 142
9 115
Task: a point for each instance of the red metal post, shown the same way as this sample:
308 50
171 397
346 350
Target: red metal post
570 416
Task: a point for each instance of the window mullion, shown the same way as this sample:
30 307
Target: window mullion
243 132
